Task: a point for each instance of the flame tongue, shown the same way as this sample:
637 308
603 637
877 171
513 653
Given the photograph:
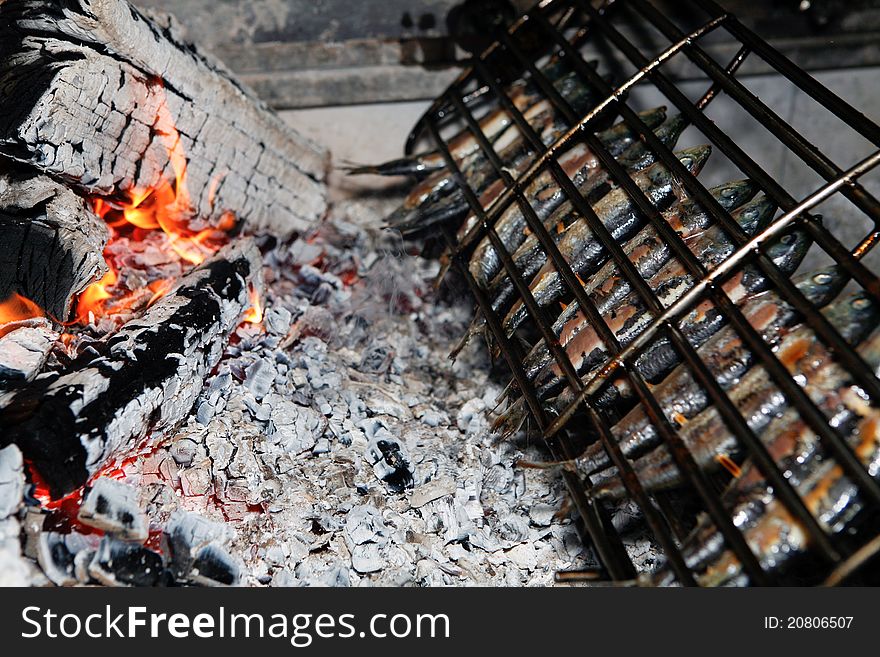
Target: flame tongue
164 208
17 308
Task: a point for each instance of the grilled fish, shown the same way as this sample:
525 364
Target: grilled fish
439 198
648 252
583 168
582 249
757 398
727 358
529 256
628 317
774 535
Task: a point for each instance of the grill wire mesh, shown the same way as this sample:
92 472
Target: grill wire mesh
576 32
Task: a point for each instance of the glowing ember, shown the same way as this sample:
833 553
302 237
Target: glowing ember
17 308
254 315
166 208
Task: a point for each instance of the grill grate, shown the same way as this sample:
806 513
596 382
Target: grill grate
566 29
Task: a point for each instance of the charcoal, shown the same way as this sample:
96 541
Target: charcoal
120 563
70 425
112 506
108 76
390 463
213 566
188 534
57 554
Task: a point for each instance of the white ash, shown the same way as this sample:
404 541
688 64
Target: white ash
342 396
15 570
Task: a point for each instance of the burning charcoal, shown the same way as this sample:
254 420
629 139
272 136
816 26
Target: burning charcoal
112 506
213 566
390 463
56 554
118 563
101 55
69 425
11 481
23 351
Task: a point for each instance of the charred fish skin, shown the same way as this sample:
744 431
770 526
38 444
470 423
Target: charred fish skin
706 319
757 398
648 252
627 319
545 195
726 357
418 210
530 256
618 213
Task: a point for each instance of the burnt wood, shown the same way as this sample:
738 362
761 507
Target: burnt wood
52 242
96 94
146 378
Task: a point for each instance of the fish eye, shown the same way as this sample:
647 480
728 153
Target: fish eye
822 279
787 239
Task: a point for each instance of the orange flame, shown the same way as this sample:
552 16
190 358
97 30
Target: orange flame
17 308
166 207
254 315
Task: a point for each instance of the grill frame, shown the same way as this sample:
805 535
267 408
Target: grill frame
607 543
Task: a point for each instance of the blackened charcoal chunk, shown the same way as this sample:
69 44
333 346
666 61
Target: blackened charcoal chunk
189 533
56 558
117 563
390 463
112 506
213 566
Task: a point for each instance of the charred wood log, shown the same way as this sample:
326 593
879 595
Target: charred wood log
24 348
52 242
147 378
108 100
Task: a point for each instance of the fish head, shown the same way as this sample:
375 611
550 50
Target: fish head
822 285
788 251
731 195
755 213
653 117
670 130
694 158
854 316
